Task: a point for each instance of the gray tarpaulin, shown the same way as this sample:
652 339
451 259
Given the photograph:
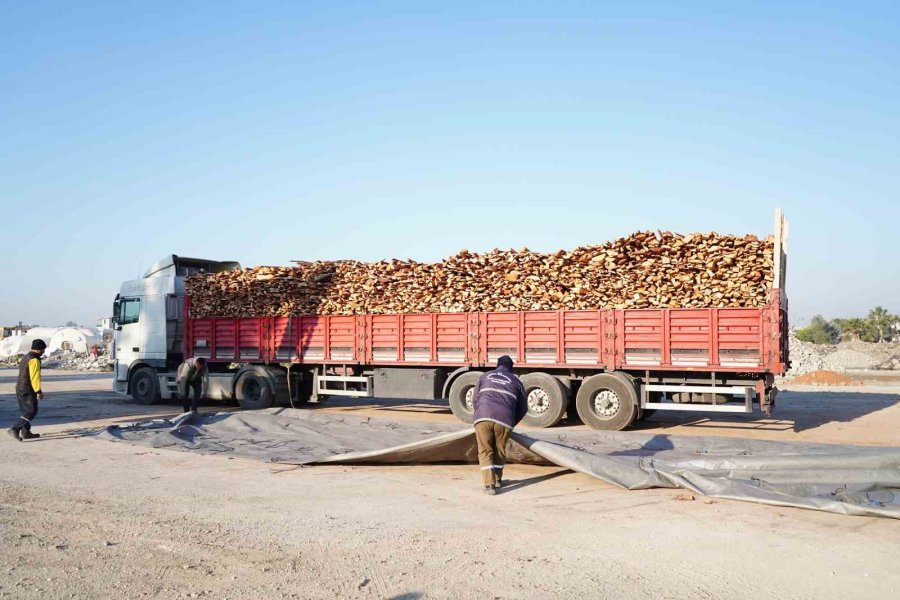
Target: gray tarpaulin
851 480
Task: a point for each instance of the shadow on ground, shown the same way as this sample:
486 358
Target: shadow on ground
794 411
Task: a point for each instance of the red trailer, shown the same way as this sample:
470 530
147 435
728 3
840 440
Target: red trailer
614 365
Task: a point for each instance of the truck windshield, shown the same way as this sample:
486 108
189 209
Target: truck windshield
129 310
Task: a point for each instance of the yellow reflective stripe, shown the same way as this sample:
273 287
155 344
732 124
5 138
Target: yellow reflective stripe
34 370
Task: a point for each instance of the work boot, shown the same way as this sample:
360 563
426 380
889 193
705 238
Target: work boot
489 490
14 433
26 434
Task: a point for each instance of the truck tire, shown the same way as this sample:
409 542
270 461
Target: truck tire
253 392
547 400
606 401
461 395
145 386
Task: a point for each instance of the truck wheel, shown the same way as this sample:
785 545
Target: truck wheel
547 399
462 395
253 392
145 386
606 401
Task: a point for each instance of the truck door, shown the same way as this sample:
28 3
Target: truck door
127 335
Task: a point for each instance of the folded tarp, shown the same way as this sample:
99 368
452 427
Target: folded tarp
851 480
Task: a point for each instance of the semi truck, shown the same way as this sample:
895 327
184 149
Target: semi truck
608 367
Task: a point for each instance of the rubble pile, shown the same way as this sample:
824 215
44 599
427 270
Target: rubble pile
77 361
891 364
848 355
643 270
806 357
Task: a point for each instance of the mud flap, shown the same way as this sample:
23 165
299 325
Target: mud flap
768 402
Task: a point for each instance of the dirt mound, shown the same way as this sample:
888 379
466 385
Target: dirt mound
824 378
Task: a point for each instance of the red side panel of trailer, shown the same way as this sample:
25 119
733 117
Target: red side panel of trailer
690 339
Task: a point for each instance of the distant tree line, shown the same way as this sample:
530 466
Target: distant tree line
879 326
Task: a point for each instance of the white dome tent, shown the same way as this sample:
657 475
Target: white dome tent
20 344
73 339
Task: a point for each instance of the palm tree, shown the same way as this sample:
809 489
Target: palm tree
881 320
853 329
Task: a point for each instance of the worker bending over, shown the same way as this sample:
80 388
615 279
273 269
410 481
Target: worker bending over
500 403
192 376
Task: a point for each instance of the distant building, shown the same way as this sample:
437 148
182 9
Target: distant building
14 330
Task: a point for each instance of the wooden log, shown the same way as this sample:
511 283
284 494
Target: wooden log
643 270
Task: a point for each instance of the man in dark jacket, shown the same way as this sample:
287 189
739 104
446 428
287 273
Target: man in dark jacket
500 404
28 391
192 376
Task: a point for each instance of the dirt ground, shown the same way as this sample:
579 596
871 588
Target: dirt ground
85 518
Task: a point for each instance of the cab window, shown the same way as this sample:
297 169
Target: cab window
129 311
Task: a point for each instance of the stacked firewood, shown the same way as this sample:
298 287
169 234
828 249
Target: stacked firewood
643 270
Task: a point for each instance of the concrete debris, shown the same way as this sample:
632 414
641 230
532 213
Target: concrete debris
806 357
851 355
891 364
67 361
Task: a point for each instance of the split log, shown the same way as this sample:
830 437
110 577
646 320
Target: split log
643 270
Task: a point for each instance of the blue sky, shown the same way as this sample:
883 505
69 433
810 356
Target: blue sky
265 132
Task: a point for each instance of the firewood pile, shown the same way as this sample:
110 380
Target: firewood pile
643 270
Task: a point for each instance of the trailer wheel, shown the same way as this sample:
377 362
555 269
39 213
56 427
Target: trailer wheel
547 399
462 395
145 386
606 401
253 392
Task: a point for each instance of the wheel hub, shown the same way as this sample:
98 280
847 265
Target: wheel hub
606 403
538 401
470 398
253 390
143 386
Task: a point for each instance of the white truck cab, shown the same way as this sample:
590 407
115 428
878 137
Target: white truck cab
148 326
